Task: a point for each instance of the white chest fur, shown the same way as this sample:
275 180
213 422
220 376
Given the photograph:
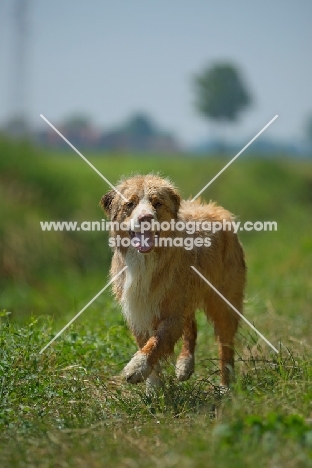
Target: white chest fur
139 304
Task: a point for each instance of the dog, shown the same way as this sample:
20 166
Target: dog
159 291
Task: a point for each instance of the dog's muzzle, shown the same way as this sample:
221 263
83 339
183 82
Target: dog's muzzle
142 239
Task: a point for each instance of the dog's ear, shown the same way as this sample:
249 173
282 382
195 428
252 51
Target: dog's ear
107 200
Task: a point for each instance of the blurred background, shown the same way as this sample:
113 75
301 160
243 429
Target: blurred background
112 70
178 87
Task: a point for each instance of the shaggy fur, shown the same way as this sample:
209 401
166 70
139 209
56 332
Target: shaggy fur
159 292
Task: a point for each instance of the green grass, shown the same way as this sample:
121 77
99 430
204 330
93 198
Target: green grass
68 406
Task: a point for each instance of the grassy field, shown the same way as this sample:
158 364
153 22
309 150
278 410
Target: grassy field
68 406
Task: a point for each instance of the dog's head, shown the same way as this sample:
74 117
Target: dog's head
150 200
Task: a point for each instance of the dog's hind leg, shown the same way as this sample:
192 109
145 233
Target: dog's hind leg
186 362
225 322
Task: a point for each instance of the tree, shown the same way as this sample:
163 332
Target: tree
79 130
77 122
220 92
140 125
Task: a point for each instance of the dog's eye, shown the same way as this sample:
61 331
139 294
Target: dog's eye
157 204
129 204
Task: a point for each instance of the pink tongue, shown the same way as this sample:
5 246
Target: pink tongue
143 242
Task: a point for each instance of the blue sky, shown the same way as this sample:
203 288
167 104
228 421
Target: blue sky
109 59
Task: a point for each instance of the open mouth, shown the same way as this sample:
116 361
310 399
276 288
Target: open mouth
142 241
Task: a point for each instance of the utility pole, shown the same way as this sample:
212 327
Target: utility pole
19 92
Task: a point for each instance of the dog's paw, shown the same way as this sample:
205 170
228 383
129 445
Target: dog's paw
138 369
185 367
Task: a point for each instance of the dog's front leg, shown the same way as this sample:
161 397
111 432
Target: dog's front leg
160 345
